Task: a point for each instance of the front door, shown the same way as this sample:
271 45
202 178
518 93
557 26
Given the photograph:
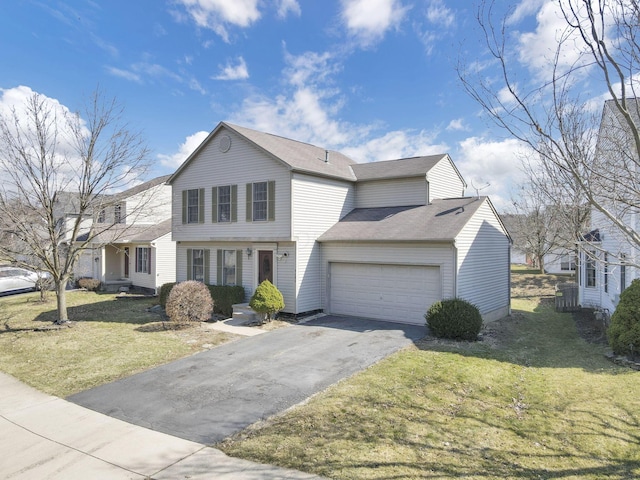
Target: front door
126 262
265 266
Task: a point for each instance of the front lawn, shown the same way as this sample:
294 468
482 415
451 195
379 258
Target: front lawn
109 339
532 400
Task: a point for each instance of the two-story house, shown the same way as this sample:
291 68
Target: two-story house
608 256
380 240
128 238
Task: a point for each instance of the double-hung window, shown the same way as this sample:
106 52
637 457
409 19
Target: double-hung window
623 272
224 200
196 264
590 269
193 205
261 201
118 213
229 267
143 260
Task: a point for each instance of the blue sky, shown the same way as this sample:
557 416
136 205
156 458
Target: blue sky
374 79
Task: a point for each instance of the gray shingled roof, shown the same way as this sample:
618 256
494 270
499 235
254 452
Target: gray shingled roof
404 167
441 221
130 233
300 156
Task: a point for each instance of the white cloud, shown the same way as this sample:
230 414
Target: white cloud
233 72
284 7
143 72
537 49
457 125
174 160
310 68
497 163
218 14
14 101
367 21
126 74
439 21
439 14
396 144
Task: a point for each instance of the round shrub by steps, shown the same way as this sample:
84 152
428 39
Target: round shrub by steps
267 300
189 301
624 331
454 318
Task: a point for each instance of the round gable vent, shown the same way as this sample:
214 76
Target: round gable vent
225 143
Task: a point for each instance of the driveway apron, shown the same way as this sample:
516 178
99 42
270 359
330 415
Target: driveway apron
211 395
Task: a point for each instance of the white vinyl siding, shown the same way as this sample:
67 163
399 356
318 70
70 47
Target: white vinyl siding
164 260
242 164
399 293
483 264
284 268
444 181
317 205
392 193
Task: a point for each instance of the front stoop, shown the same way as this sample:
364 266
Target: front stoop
243 314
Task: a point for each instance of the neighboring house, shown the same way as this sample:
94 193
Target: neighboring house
381 240
558 260
607 259
135 249
561 261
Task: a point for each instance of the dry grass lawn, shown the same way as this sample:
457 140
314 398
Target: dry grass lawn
109 339
532 400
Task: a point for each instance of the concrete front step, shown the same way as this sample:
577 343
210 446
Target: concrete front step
243 314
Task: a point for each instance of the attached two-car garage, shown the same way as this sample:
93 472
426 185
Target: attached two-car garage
401 293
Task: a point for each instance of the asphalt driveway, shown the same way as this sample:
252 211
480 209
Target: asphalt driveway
211 395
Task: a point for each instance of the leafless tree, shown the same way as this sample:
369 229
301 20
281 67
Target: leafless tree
580 157
54 162
540 227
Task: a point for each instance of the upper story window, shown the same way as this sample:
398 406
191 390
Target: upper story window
225 200
102 216
259 201
261 198
193 205
623 272
118 213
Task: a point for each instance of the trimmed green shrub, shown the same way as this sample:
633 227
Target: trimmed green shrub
164 293
189 301
267 300
454 318
224 297
91 284
624 331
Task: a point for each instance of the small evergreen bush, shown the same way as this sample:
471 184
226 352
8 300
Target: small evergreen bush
624 331
189 301
91 284
454 318
165 289
267 300
224 297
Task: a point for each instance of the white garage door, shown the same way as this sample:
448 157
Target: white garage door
399 293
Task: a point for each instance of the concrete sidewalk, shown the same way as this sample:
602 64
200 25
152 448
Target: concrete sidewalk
42 436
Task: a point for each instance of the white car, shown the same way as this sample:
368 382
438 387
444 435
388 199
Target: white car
17 279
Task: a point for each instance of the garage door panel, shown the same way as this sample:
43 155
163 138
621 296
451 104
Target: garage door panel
387 292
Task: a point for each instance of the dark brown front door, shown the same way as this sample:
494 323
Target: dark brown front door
265 265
